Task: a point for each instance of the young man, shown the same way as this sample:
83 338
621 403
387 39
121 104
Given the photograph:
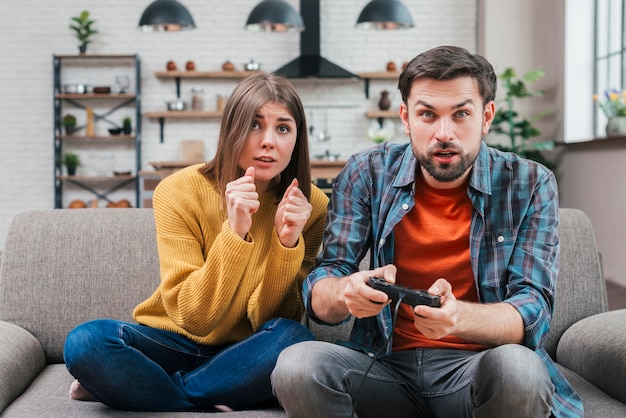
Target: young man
446 213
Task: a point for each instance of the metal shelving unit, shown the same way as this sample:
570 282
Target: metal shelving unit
98 186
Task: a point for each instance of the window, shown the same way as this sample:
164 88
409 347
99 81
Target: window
610 54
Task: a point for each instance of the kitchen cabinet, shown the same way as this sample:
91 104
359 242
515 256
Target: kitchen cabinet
177 77
102 110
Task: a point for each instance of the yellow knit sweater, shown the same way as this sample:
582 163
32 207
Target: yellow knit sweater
217 288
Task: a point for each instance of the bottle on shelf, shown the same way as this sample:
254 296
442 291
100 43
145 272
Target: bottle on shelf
197 100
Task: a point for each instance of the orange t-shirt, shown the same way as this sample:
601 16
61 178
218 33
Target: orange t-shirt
430 242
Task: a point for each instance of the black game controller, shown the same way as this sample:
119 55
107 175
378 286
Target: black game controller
409 296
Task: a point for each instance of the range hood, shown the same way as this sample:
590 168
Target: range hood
310 63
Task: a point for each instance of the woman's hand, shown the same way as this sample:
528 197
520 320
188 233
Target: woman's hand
242 201
292 214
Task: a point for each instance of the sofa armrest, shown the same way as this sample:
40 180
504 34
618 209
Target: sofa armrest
21 360
594 348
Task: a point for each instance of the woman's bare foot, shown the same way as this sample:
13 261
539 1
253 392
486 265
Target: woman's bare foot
79 393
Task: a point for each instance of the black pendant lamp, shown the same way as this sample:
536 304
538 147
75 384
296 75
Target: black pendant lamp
385 14
274 16
166 15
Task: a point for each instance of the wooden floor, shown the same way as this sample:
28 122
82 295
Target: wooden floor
616 294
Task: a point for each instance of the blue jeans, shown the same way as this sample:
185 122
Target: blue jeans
135 367
320 380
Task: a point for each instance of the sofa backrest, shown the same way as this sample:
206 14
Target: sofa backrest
63 267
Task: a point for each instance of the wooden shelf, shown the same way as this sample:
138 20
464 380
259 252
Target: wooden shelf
82 96
204 74
183 114
97 137
95 56
97 178
377 75
377 114
380 75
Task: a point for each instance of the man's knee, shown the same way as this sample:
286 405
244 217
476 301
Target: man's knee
295 364
513 376
515 366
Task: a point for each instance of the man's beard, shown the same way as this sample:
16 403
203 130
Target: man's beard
445 173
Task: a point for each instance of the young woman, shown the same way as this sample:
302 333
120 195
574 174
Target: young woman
236 237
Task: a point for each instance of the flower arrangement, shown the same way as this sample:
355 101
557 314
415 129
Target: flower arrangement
613 103
380 132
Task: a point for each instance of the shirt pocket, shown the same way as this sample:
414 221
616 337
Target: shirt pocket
497 250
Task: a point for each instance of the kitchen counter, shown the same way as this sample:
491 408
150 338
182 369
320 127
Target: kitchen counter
326 169
323 172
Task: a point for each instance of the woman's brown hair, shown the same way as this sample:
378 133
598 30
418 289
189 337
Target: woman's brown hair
239 115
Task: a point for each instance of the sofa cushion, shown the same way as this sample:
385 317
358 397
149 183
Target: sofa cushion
63 267
48 397
596 403
21 360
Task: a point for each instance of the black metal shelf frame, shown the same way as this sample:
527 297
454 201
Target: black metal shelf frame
59 101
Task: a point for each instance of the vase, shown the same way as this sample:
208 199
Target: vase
616 126
384 103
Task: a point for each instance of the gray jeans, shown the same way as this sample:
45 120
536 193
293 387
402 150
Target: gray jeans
319 379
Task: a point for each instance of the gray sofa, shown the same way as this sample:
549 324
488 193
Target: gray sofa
63 267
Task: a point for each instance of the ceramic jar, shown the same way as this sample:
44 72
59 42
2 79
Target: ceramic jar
616 126
384 103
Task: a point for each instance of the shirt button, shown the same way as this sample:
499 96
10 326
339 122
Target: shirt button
382 241
500 238
405 206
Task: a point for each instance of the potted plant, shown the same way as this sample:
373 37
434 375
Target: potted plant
519 129
613 104
126 126
71 161
81 25
69 123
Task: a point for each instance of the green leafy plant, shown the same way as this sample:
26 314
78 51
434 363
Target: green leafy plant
69 123
69 120
126 125
82 27
519 129
70 160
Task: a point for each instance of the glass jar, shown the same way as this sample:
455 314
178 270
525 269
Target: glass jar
197 100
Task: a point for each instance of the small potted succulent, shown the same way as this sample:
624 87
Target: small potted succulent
71 161
69 123
126 126
81 25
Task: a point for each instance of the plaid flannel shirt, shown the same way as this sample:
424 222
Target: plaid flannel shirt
514 242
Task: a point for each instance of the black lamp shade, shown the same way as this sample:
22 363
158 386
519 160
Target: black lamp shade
274 16
166 15
385 14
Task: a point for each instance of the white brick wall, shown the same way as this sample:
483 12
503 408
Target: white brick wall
33 30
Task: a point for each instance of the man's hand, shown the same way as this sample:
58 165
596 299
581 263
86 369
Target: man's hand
242 201
335 298
437 323
490 324
292 214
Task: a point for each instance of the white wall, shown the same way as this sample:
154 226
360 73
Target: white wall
34 30
527 35
537 33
